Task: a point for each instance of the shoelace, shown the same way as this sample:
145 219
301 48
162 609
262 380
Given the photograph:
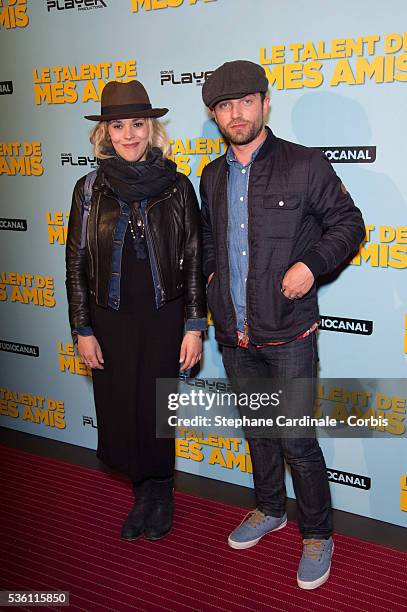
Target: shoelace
253 518
313 548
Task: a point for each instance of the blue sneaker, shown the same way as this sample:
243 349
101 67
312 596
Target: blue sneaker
315 563
253 527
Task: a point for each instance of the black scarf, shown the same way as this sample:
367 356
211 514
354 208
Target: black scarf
137 181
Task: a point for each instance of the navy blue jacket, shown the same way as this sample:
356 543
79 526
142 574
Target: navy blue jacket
298 210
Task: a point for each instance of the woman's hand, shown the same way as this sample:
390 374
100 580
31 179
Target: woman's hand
210 277
90 352
191 350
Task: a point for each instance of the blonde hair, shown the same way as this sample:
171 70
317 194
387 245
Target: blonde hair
103 148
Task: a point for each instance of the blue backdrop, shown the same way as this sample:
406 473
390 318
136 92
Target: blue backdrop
337 80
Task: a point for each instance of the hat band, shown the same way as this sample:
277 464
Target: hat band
124 108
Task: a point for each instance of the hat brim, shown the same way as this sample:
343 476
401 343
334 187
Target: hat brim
236 95
152 113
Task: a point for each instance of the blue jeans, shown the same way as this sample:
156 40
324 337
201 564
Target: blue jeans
297 359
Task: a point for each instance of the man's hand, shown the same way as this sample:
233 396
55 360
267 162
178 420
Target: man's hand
297 281
90 352
210 277
191 350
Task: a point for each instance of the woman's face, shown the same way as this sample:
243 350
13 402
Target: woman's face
129 138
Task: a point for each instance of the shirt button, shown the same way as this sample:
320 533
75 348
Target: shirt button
281 203
242 198
243 171
243 252
242 225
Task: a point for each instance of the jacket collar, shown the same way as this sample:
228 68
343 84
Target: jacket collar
269 145
100 181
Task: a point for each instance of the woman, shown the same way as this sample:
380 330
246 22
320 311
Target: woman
134 287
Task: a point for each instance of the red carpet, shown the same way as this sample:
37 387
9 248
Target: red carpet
60 526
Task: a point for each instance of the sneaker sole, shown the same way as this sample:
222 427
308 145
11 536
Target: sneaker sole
315 583
250 543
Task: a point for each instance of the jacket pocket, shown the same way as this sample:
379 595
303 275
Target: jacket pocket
90 260
180 268
282 213
274 311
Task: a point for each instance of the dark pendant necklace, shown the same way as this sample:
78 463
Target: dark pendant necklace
140 225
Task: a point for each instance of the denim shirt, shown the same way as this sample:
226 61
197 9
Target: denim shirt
238 242
117 251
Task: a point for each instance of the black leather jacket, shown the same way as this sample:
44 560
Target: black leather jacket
173 233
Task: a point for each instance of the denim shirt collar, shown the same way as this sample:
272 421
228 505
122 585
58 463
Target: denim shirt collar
231 157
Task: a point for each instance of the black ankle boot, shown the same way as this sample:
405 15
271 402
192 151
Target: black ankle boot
159 520
133 526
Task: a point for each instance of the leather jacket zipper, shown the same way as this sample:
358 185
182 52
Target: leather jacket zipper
92 266
160 275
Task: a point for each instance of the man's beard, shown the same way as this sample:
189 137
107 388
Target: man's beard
243 137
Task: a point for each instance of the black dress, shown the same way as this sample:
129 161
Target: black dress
139 344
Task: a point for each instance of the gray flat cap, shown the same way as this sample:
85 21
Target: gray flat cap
234 80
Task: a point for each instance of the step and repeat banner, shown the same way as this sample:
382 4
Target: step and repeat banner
338 81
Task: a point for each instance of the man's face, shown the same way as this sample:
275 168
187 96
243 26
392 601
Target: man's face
241 120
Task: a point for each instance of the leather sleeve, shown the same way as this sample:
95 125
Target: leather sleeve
195 298
208 246
75 258
342 224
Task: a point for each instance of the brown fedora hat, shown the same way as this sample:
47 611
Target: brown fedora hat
125 101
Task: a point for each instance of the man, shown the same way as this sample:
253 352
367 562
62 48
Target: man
275 217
